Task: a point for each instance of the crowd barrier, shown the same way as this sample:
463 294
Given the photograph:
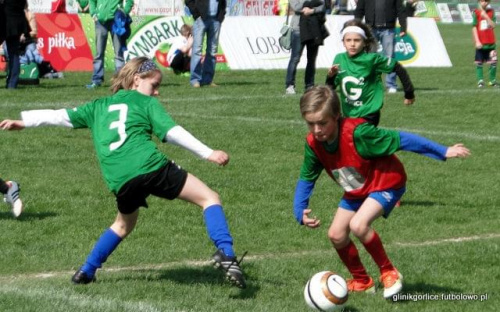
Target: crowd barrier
67 41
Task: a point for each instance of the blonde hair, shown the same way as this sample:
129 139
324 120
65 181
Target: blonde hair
124 79
320 99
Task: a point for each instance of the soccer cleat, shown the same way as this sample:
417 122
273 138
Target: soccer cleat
290 90
493 84
81 277
480 84
196 85
12 198
392 90
393 283
231 267
398 204
356 285
93 85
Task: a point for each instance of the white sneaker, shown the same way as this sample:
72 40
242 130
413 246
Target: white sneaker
392 90
12 198
290 90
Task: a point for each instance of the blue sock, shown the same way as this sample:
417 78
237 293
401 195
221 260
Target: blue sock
106 244
218 230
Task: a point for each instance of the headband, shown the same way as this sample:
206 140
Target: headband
147 66
353 29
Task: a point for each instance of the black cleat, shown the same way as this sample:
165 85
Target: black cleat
81 277
231 266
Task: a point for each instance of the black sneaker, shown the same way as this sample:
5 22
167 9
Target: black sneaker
81 277
231 266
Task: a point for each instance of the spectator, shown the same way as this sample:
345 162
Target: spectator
483 23
303 36
411 7
83 6
179 55
31 53
103 13
208 16
15 28
381 16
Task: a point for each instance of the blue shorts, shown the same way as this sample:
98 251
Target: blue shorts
387 199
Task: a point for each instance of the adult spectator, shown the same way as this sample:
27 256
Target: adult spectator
16 27
303 36
381 16
103 13
208 16
83 6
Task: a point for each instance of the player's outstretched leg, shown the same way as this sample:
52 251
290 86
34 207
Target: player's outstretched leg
11 197
231 267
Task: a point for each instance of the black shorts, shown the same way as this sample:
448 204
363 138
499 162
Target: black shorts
486 56
180 63
166 182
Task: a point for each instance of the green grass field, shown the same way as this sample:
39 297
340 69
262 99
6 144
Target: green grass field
445 238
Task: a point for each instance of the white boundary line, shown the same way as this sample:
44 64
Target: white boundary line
199 263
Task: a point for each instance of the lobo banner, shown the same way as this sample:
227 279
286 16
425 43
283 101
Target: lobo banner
252 43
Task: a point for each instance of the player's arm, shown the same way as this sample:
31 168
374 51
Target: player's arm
484 15
475 35
38 118
309 173
371 142
181 137
414 143
408 88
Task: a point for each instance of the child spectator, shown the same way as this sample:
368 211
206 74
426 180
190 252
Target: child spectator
483 23
179 55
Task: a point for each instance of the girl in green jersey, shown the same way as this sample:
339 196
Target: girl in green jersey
358 74
133 168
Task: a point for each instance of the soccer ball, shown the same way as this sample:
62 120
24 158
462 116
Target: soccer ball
326 291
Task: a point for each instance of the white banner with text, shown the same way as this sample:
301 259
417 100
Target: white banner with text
251 42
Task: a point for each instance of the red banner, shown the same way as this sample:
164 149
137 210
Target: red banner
62 42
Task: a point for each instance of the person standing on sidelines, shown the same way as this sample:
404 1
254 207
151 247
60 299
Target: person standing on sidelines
299 9
483 24
208 16
381 16
103 13
15 28
360 158
122 126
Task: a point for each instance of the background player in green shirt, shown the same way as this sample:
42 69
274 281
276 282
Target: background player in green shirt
360 157
358 73
134 168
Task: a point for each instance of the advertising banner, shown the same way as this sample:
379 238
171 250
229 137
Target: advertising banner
63 42
252 43
67 41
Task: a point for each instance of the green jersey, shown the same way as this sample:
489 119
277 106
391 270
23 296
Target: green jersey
369 141
122 126
361 86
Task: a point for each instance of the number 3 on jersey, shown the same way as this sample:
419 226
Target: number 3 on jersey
119 124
